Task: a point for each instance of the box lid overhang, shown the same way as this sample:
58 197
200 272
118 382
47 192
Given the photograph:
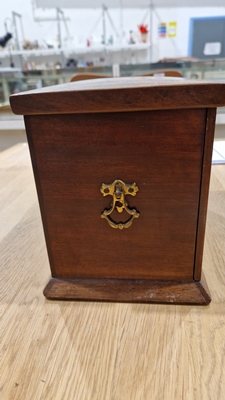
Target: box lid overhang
120 94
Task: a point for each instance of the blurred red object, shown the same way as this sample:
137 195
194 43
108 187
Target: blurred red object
143 28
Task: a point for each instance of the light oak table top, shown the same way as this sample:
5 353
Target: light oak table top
100 351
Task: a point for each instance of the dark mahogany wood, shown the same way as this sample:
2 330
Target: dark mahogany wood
90 137
204 190
144 147
128 290
119 94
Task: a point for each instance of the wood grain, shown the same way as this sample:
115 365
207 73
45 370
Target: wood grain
101 351
128 291
204 190
119 94
75 154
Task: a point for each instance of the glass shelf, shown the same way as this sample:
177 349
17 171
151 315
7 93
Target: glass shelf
14 80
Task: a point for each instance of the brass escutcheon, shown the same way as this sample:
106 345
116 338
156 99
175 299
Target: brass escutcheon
118 190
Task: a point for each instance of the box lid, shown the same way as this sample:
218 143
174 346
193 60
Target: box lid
120 94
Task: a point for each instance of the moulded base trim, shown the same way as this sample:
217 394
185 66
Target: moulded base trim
129 290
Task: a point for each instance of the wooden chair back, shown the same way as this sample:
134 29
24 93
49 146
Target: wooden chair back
84 76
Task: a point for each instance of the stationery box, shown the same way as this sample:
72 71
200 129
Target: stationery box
122 170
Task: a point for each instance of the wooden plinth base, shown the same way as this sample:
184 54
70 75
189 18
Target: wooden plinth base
128 290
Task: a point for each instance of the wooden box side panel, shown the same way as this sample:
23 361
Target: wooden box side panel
204 190
161 151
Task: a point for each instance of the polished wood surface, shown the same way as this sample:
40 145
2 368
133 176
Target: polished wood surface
119 94
75 154
129 290
204 191
101 351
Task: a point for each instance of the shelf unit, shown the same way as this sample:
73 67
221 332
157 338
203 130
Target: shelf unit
78 50
110 54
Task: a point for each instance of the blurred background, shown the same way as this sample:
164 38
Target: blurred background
48 42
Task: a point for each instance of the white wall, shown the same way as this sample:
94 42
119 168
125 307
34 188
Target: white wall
82 21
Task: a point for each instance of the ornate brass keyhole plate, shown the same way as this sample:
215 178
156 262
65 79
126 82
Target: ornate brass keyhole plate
118 190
